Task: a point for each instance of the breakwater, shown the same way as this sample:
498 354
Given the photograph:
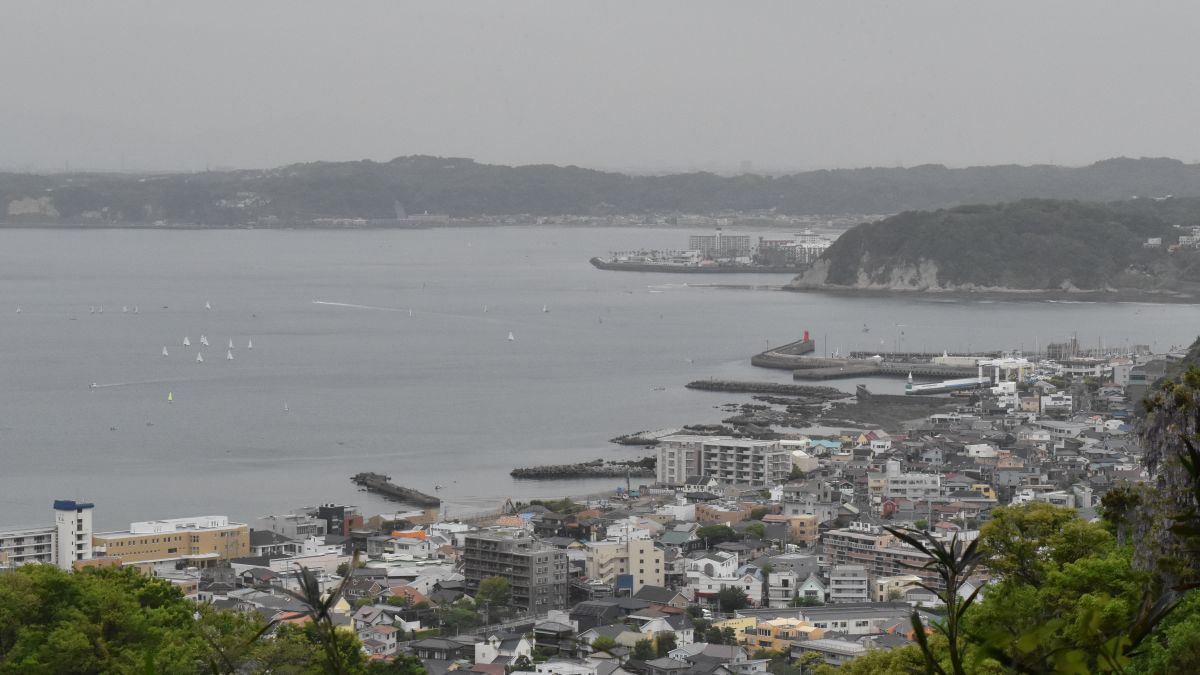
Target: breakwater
786 357
381 484
828 369
593 469
600 263
740 387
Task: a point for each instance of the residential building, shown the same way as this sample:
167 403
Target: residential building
878 551
779 634
678 458
834 652
628 565
743 461
297 525
849 583
536 573
201 539
68 540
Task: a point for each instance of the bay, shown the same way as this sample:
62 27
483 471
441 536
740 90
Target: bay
440 397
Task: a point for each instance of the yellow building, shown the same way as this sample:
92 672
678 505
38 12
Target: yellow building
739 624
638 559
198 539
779 634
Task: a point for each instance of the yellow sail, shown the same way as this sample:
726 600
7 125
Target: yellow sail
170 397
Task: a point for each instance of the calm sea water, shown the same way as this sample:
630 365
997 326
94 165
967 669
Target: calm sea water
440 397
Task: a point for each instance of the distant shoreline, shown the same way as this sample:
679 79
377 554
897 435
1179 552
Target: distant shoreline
1014 295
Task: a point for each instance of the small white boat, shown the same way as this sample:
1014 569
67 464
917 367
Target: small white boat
229 355
545 309
186 341
199 358
285 408
204 340
165 351
207 305
511 338
231 343
18 309
249 344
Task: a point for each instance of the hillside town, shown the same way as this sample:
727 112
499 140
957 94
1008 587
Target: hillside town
745 555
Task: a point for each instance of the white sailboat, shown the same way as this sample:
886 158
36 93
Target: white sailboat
18 309
410 312
135 310
249 344
186 341
231 343
101 311
207 305
203 340
511 338
485 309
545 309
170 397
199 357
92 309
229 355
165 350
285 408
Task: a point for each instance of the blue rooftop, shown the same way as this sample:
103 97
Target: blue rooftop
71 505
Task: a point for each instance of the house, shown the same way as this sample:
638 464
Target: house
592 613
702 484
380 641
660 595
504 649
618 632
834 652
779 634
443 649
680 625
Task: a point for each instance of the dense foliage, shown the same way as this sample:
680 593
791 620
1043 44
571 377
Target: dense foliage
121 621
1028 244
462 187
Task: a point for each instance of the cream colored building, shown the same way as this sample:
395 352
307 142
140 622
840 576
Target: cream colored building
197 539
640 559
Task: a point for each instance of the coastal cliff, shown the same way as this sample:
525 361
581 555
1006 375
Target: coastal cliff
1029 246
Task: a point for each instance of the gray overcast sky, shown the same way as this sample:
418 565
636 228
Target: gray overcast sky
622 85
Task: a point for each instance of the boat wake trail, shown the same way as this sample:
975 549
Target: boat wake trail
354 306
109 385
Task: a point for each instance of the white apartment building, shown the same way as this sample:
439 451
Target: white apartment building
744 461
628 564
849 583
61 544
899 485
679 458
739 461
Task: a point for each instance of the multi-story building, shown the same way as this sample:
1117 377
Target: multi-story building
721 245
849 583
536 573
744 461
297 525
880 553
739 461
61 544
627 565
200 540
679 458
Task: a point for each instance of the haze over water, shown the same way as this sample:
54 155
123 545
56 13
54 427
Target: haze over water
437 398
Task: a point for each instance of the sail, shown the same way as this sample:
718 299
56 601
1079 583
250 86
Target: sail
170 397
186 341
229 355
199 358
250 344
164 351
510 336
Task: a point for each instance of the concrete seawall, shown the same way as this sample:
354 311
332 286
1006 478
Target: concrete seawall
786 357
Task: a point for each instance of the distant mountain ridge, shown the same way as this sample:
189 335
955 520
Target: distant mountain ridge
1027 245
299 193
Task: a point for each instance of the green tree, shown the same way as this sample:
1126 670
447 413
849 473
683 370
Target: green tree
643 650
756 530
921 524
401 665
796 474
603 643
665 642
758 512
523 664
732 598
714 636
494 594
716 534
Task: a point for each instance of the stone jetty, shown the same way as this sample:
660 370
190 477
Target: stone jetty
381 484
593 469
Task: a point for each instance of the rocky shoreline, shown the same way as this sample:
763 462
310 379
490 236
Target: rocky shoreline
643 468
